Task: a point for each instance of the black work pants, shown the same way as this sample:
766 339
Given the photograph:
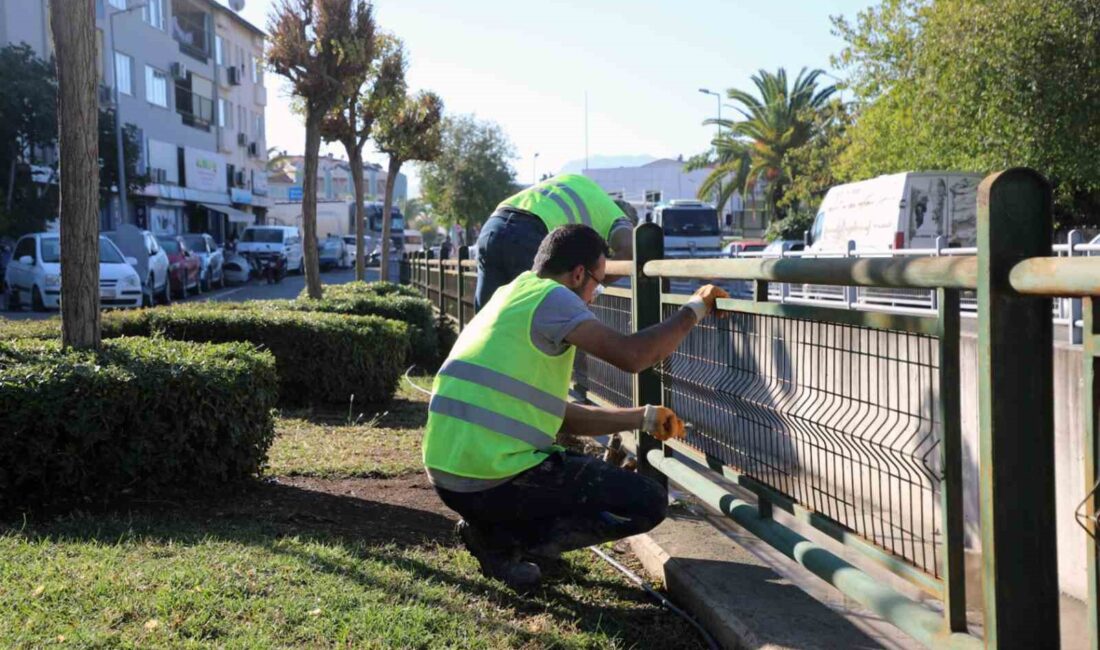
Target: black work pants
567 502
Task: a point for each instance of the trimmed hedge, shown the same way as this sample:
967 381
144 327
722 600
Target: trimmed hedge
357 288
139 416
321 358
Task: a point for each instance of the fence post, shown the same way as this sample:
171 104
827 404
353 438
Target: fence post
1075 334
1016 416
951 455
1091 401
463 255
935 299
428 276
649 244
851 294
442 280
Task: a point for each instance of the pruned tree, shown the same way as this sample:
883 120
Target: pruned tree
411 130
351 121
324 48
73 26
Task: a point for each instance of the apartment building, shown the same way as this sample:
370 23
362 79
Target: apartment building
178 66
334 182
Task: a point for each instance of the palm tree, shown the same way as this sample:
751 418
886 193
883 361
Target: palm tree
752 150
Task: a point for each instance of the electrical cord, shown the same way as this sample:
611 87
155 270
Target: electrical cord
665 602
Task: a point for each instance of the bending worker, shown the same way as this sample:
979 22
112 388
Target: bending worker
500 400
510 237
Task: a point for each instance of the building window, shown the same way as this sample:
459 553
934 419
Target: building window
153 12
194 101
124 73
219 46
156 87
118 4
257 127
257 69
221 112
242 120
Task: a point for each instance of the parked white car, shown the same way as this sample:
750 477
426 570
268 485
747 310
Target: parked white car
152 262
33 277
267 240
210 255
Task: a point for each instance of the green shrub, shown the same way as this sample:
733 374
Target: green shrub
139 416
350 289
321 358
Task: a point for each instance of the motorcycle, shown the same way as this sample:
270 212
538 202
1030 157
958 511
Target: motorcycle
272 268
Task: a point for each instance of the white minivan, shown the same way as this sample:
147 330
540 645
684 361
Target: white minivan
896 211
265 240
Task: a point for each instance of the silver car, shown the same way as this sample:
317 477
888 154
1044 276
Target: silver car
212 272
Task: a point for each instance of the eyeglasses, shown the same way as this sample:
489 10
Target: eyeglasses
599 285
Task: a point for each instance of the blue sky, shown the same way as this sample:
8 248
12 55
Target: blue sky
527 66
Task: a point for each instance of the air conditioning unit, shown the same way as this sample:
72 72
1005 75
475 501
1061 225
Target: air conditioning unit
242 139
158 176
233 73
179 71
253 149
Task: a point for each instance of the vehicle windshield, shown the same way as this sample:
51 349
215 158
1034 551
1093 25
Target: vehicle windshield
170 246
817 228
331 245
263 235
108 254
195 243
349 240
374 218
689 222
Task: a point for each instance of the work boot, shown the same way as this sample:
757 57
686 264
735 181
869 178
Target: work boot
548 562
503 565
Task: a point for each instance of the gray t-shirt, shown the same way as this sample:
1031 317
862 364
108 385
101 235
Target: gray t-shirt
560 312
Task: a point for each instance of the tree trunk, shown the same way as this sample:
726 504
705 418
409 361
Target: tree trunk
309 206
355 156
387 218
73 26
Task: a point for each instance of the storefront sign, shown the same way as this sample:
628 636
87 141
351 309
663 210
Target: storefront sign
237 195
204 170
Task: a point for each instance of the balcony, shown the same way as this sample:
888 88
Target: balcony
191 28
197 111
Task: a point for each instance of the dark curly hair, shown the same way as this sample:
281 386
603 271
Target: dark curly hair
566 247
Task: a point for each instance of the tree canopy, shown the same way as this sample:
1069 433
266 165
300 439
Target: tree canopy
978 85
472 173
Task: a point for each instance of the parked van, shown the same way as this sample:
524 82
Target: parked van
691 228
414 241
259 241
906 210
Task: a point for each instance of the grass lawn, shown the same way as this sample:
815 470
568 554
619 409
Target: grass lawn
343 545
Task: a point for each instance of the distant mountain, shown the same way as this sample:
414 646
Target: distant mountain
599 162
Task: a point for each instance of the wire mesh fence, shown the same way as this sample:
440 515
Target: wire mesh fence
597 377
843 419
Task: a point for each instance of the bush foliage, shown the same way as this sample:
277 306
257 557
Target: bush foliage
139 416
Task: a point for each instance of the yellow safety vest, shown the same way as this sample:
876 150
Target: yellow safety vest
565 199
498 401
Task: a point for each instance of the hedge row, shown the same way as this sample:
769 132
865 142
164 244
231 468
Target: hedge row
321 357
136 417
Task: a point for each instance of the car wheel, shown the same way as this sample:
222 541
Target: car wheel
37 303
166 295
147 297
197 288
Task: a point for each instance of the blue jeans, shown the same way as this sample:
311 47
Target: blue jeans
506 247
567 502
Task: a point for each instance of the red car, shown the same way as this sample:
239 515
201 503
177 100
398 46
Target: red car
184 267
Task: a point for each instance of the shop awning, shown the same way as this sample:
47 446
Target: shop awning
235 215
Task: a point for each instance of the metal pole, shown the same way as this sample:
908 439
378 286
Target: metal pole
1075 334
951 453
121 158
1016 416
649 244
463 255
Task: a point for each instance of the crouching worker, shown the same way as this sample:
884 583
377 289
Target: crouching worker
500 399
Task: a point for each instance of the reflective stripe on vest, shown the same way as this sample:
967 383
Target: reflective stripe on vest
566 199
502 383
494 422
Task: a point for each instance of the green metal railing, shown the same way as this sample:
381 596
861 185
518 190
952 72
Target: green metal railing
849 421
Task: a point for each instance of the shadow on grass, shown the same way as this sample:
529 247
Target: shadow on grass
265 514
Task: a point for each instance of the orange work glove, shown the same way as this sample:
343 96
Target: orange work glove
662 423
703 300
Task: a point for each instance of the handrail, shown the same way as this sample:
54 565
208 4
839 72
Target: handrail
620 267
925 272
1057 276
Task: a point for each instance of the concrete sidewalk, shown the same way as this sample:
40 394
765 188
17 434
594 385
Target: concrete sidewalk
744 593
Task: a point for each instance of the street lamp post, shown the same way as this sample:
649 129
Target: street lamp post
122 210
534 173
717 96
